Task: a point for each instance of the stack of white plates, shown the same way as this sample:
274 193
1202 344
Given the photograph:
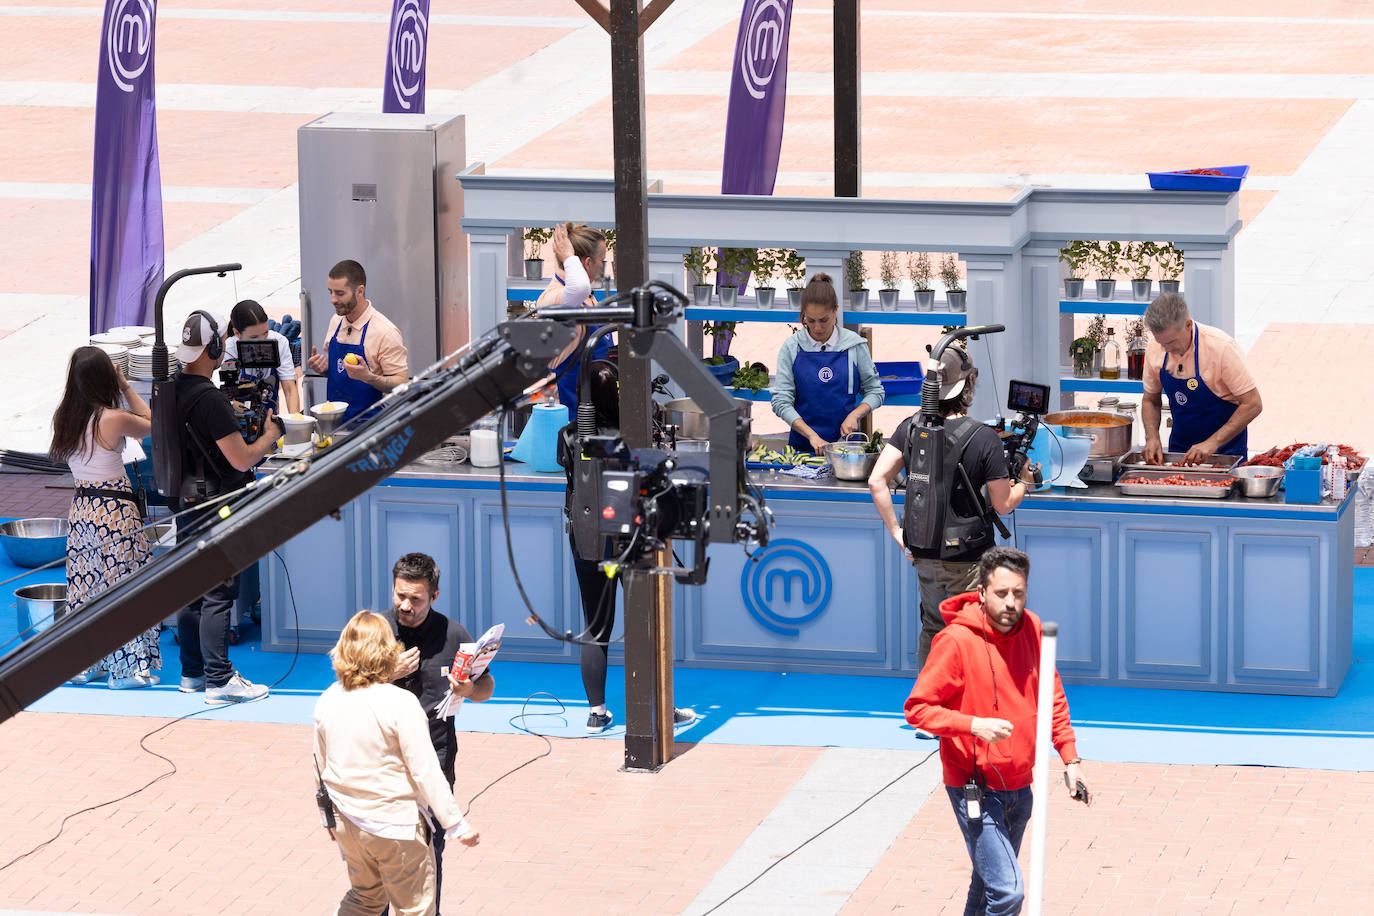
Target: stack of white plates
118 355
124 337
141 363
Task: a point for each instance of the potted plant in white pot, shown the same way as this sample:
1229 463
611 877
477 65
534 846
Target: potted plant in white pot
855 278
956 299
535 239
1139 259
1170 261
765 265
732 272
792 268
1075 255
919 269
698 262
1106 258
890 270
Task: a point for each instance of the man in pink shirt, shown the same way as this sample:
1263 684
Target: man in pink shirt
1202 373
365 356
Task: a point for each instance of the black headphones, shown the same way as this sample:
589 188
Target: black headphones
214 347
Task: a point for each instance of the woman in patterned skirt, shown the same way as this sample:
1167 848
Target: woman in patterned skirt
106 542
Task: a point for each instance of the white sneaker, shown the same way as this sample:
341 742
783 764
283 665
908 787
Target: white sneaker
237 690
192 684
133 681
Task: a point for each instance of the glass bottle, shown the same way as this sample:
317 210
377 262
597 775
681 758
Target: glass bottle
1111 356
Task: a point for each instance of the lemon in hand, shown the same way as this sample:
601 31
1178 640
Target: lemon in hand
351 359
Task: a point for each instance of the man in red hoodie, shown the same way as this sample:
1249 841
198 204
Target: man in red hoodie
978 693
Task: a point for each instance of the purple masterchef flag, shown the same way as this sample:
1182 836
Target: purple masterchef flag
758 98
758 102
126 187
404 90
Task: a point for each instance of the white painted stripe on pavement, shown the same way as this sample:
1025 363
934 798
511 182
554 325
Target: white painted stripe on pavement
818 879
177 194
311 16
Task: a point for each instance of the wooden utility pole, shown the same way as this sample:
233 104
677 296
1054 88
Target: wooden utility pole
648 604
848 118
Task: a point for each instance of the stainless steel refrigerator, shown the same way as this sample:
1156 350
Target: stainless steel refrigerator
380 189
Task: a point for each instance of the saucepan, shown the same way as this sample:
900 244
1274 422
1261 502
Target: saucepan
1110 432
691 423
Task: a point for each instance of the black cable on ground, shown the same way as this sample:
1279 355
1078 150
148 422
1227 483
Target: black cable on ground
168 724
548 745
823 830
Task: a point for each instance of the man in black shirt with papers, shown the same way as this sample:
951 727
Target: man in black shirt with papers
430 641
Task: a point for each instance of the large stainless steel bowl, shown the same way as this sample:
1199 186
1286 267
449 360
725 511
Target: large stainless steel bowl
39 606
32 542
1110 432
691 423
850 461
1258 481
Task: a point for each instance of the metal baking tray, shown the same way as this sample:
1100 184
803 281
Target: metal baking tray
1141 483
1217 464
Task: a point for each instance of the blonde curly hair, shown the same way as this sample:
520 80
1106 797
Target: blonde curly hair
366 652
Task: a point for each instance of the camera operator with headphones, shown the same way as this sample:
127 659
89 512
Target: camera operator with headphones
951 568
215 459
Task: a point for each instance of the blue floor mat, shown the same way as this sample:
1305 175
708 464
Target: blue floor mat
815 710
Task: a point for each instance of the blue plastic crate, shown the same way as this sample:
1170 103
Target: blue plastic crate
1301 485
1229 180
907 379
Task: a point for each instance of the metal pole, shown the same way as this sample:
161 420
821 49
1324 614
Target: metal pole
1040 779
646 734
847 93
663 657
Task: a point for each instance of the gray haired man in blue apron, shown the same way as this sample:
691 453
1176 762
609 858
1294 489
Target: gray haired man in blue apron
1201 371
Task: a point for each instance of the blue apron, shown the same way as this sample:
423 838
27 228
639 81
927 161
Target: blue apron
824 395
567 384
359 395
1197 412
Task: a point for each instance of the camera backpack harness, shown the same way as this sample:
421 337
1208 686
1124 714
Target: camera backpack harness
933 519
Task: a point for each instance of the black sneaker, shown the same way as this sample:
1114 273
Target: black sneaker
684 716
598 722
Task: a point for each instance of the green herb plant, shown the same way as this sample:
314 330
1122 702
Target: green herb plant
536 237
854 273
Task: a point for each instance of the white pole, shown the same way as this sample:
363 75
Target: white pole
1040 779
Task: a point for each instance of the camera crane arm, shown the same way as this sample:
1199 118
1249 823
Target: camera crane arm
416 417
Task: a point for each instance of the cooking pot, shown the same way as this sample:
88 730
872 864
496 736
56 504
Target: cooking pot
1110 432
691 423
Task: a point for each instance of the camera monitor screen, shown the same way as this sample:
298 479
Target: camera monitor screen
1028 397
257 354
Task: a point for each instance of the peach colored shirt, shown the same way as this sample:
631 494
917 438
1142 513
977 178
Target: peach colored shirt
1220 362
383 346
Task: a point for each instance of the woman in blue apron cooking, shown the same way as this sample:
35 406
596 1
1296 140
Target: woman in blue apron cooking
826 381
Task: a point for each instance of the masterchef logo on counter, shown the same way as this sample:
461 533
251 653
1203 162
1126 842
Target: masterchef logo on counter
385 457
786 585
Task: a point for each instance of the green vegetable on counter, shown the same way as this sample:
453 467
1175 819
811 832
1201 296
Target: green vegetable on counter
875 442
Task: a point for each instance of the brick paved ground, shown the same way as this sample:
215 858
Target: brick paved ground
235 830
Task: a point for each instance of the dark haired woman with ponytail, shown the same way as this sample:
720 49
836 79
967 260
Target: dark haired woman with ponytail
106 542
826 381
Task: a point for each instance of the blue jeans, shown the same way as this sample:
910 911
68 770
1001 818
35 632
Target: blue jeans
993 843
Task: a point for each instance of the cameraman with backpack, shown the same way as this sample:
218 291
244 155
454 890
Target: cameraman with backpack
215 460
951 567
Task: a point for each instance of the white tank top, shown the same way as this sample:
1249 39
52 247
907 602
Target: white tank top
93 462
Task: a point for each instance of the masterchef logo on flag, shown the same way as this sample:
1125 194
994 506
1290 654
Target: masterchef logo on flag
405 57
758 98
129 41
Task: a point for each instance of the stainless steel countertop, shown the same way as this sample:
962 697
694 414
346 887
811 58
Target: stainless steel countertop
1098 495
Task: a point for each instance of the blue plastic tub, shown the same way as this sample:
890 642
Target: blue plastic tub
1301 485
906 377
1229 180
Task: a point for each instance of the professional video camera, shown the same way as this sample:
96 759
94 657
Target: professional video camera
625 504
249 395
1031 401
